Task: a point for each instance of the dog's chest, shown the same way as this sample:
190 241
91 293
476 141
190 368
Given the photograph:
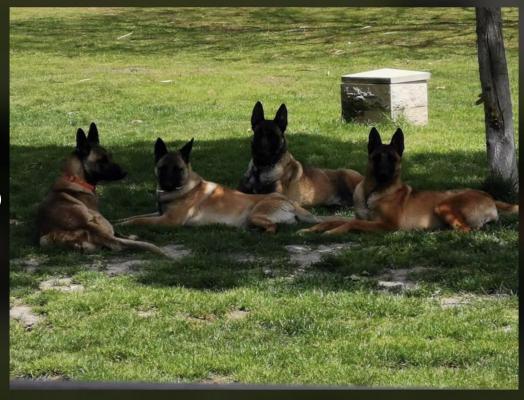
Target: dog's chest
365 208
263 180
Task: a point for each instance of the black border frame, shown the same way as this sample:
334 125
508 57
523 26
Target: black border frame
20 389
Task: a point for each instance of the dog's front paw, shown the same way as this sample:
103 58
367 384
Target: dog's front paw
304 231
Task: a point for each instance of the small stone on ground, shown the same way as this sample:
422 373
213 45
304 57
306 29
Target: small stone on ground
25 315
216 379
146 313
31 263
397 279
176 251
61 284
452 302
237 314
122 266
305 256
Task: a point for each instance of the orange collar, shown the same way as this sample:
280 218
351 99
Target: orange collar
80 182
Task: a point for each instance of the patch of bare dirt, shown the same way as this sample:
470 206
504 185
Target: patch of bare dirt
306 255
176 251
201 319
30 264
61 284
216 379
146 313
398 279
237 315
25 315
52 378
462 300
115 266
454 301
121 266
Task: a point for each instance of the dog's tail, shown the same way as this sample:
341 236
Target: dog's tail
137 244
506 207
304 215
334 218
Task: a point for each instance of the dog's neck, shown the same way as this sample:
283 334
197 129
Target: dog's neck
73 172
371 186
274 171
192 183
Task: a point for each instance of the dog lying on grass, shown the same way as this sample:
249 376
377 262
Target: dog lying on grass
69 215
273 169
384 203
184 198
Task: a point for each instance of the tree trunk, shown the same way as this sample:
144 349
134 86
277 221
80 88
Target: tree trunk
496 97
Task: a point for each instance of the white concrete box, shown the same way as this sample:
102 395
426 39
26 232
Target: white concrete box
376 95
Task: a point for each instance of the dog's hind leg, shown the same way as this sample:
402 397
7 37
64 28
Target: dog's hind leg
360 225
452 216
152 219
263 222
79 239
323 226
118 221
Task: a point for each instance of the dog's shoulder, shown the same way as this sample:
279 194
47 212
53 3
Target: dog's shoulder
292 171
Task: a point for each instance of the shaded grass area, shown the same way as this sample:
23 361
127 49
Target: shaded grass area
68 68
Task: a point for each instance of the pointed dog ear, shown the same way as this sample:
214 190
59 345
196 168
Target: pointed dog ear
186 150
92 135
374 140
257 116
82 145
397 141
160 149
281 118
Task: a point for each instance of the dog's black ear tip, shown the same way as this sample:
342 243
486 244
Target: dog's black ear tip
92 125
373 130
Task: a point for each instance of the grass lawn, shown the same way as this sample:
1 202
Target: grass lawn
236 308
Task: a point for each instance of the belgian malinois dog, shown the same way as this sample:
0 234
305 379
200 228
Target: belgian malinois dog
69 214
272 168
184 198
384 203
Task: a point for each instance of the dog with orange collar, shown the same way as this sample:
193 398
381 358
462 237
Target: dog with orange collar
69 215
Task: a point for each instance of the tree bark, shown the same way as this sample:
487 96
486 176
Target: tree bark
496 97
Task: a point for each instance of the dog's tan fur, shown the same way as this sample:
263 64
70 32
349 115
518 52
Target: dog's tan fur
200 202
397 206
69 215
309 186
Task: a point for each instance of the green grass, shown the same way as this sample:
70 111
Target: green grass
68 69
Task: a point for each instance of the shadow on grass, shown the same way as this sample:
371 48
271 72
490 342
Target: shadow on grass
482 261
34 169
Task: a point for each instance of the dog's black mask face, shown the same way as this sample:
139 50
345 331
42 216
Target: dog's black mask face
269 143
97 162
384 159
172 168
